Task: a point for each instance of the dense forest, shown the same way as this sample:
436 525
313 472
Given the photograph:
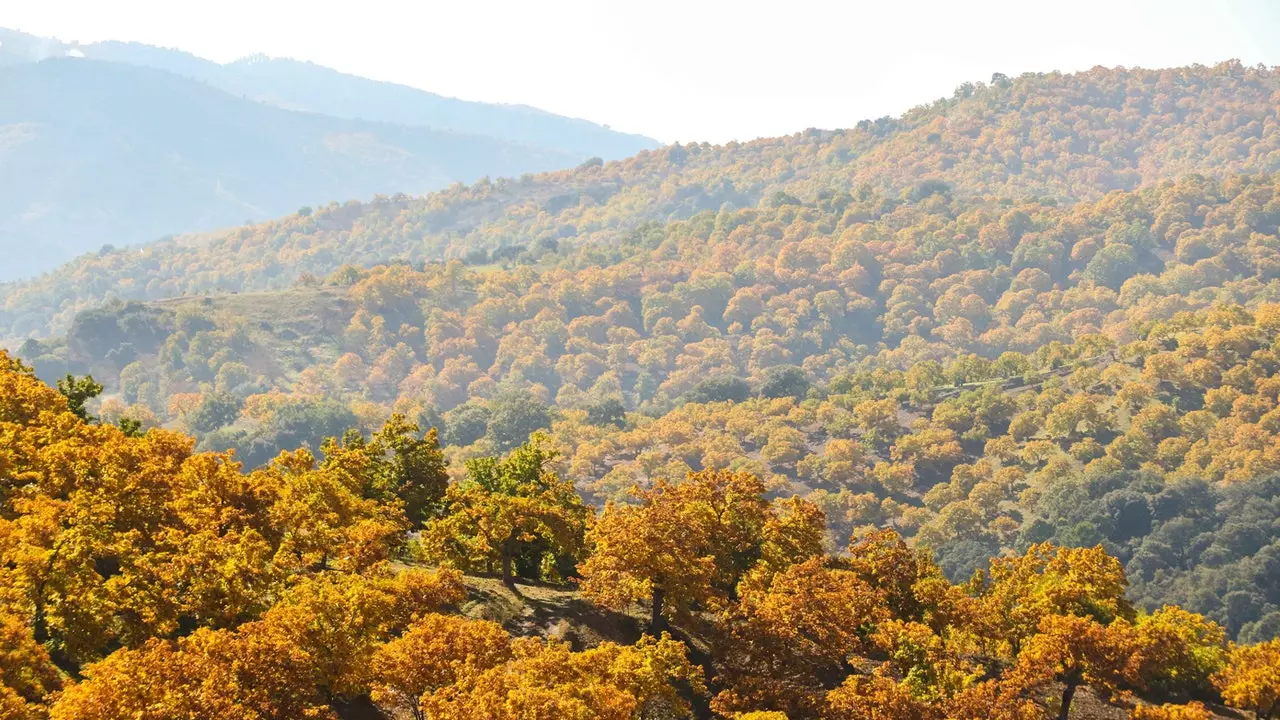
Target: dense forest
142 580
972 413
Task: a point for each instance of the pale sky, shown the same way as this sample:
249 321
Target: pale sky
686 70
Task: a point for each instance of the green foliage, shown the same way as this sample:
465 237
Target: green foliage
785 381
78 392
719 389
609 411
514 417
215 410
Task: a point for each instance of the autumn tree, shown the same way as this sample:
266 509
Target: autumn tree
1190 711
506 507
1021 591
781 643
691 543
884 561
435 652
546 679
876 697
1251 679
1074 651
27 674
1180 652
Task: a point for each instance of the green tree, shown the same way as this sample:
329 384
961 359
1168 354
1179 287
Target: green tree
506 508
78 392
515 416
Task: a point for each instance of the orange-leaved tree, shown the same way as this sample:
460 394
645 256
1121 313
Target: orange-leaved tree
434 653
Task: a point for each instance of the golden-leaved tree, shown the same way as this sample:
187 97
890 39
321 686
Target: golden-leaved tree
691 543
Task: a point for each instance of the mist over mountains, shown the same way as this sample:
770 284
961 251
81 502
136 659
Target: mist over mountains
118 143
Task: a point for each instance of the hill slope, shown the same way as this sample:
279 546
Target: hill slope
1062 138
102 153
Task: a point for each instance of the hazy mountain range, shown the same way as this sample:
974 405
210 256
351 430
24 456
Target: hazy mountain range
116 143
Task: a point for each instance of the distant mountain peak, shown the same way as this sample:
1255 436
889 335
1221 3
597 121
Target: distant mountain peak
254 59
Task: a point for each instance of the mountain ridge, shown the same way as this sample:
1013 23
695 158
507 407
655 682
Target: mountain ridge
311 87
108 154
117 144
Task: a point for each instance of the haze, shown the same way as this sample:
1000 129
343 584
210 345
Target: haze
681 71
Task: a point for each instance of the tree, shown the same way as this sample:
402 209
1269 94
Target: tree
302 422
1190 711
545 679
609 411
785 381
1251 679
314 648
398 465
515 416
435 652
882 559
215 410
78 392
783 640
27 674
876 697
1074 651
1181 652
328 516
1112 265
466 424
692 543
506 507
720 389
657 550
159 681
1048 580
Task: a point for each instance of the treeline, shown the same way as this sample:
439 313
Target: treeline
142 580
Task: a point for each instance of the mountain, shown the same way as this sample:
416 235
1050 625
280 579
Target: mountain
304 86
121 144
106 154
309 87
295 85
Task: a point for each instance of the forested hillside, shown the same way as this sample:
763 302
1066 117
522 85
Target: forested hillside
141 580
944 416
1051 138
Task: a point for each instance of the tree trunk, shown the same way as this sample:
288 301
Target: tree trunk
1068 692
508 556
657 623
40 626
506 570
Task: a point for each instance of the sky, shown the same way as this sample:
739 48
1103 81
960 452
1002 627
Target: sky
690 70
